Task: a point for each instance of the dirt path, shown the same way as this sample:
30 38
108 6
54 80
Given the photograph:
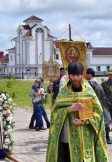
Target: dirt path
31 145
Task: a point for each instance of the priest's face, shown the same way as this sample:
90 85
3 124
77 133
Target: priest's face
76 80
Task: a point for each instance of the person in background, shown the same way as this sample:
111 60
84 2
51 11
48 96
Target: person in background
44 111
37 94
71 139
90 76
55 87
107 87
63 80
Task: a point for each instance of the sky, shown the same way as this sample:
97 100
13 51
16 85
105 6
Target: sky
90 20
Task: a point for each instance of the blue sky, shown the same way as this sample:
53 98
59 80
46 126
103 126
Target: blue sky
92 20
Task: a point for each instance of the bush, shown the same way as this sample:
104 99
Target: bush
13 95
9 84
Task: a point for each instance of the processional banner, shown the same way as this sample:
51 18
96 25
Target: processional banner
73 51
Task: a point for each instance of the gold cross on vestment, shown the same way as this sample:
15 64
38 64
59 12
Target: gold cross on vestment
76 151
74 133
88 150
86 132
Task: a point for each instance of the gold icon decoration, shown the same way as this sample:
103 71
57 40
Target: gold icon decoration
87 112
50 70
50 73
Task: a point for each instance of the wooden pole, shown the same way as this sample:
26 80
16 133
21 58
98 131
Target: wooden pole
70 39
11 158
51 84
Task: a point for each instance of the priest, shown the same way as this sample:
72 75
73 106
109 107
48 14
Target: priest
71 137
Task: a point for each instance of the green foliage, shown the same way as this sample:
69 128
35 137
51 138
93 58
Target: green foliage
9 84
19 91
12 77
13 95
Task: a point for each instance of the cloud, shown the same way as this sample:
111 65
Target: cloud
90 20
80 8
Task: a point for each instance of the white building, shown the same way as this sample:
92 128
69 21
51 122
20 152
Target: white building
34 45
100 59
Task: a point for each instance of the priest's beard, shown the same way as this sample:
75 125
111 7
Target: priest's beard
76 83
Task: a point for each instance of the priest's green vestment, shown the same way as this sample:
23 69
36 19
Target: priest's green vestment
86 142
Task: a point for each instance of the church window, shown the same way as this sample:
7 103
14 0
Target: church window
98 68
57 56
108 67
39 30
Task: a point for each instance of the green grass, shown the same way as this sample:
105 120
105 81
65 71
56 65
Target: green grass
19 92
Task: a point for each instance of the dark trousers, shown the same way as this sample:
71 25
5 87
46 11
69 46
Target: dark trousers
63 152
107 130
110 110
44 115
66 152
38 111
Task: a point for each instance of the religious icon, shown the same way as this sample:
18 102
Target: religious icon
72 54
51 71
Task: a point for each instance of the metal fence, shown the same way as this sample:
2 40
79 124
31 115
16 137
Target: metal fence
21 75
101 73
35 75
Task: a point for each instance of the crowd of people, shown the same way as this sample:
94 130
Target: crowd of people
70 137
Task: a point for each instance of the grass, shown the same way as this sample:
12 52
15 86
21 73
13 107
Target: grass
19 92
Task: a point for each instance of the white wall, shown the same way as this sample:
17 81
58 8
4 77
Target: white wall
32 52
47 50
101 60
12 55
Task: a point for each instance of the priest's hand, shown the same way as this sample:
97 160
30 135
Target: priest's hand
77 122
77 107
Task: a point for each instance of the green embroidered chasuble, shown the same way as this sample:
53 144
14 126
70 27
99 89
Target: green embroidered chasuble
86 142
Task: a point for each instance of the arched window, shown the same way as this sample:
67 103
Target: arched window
39 30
